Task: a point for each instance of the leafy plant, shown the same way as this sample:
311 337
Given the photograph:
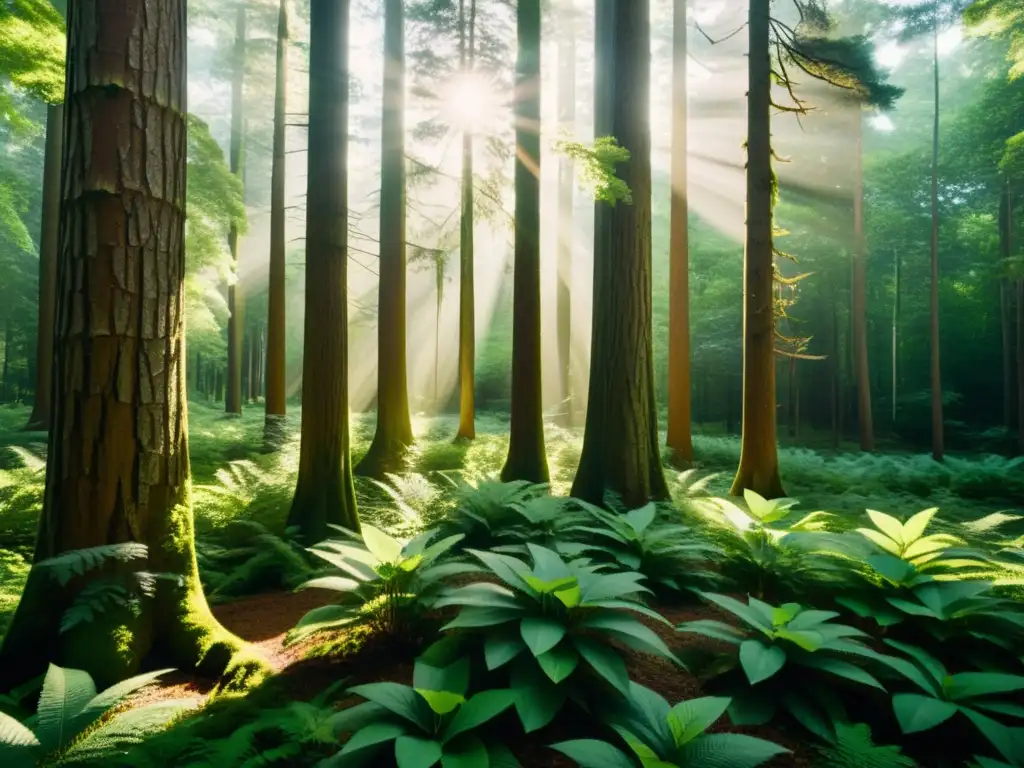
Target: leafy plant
246 557
854 748
69 720
485 509
971 694
662 736
388 585
550 621
790 656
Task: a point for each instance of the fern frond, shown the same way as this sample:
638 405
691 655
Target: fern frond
77 561
115 736
854 748
18 744
110 697
65 694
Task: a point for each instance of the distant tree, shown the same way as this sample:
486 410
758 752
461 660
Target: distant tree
467 250
236 295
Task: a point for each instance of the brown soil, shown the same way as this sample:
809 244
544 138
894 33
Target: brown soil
264 620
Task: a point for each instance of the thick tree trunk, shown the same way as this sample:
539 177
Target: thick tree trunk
325 493
118 468
527 458
621 451
467 285
48 236
759 460
859 297
275 423
678 437
938 440
394 426
566 189
236 294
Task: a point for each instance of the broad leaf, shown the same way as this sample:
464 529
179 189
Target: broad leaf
541 634
65 693
605 661
689 719
386 549
760 661
921 713
416 752
441 702
372 735
590 753
480 709
499 649
559 663
968 684
914 528
888 525
400 699
728 750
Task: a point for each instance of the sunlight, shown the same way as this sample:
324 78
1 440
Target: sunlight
469 102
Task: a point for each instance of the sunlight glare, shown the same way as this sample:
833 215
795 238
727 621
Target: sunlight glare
469 101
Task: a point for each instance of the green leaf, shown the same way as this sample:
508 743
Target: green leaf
386 549
541 634
631 632
16 740
814 718
810 619
717 630
372 735
752 708
760 661
921 713
112 696
914 528
929 663
333 583
507 568
569 597
501 648
590 753
352 719
482 595
547 564
469 753
605 661
689 719
480 709
414 752
65 693
968 684
558 663
888 525
741 611
759 506
728 750
841 668
472 617
1008 741
640 519
441 702
807 639
400 699
537 699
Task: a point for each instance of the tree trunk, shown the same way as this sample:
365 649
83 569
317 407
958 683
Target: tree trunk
621 451
248 367
527 458
793 397
49 233
566 189
467 285
325 493
759 459
1020 366
236 293
4 374
118 468
936 368
275 422
678 438
859 296
895 330
199 382
394 426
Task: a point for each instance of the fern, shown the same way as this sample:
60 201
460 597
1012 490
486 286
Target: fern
77 562
854 748
115 736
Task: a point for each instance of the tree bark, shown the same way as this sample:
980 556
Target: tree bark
236 294
621 451
118 468
325 493
678 437
275 421
49 233
394 425
759 459
566 189
895 330
467 285
527 457
859 296
1005 304
938 449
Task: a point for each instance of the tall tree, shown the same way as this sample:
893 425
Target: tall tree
467 283
620 443
275 401
325 492
118 467
527 458
858 294
566 201
678 437
236 295
394 426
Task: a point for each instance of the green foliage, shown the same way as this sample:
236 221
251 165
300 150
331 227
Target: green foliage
486 510
662 736
598 166
854 748
245 557
791 658
999 17
31 52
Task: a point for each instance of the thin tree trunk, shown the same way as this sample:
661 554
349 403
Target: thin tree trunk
49 233
895 331
1020 366
325 492
678 438
118 468
936 368
1006 300
275 421
394 426
236 294
467 285
566 189
621 450
248 354
793 397
759 460
859 297
4 374
200 382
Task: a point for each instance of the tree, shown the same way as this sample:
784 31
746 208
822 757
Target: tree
236 296
566 199
394 426
858 294
325 492
275 405
118 467
620 443
678 437
527 459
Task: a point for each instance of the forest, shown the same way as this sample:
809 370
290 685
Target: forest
720 464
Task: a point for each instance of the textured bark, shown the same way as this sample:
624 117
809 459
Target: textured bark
759 459
118 468
527 458
678 437
566 190
48 236
236 294
325 493
276 387
467 284
620 443
935 368
859 297
394 426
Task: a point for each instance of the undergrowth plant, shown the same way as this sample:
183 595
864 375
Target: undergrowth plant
246 557
855 748
484 510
